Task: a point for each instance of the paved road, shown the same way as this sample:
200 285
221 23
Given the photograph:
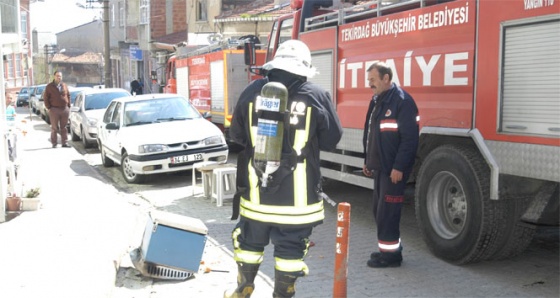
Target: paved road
535 273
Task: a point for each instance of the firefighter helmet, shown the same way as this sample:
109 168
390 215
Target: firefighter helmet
293 56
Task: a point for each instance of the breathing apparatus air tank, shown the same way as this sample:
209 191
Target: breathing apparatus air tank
270 106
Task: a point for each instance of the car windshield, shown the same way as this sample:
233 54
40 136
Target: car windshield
159 110
97 101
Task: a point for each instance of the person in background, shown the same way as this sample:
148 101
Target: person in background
286 208
57 101
390 144
136 87
10 111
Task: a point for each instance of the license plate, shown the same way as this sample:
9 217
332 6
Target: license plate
185 158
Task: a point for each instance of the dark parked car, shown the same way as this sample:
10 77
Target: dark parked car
23 96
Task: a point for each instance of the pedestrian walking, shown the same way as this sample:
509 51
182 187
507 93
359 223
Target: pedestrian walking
282 207
390 143
57 101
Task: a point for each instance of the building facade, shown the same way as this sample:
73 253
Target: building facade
16 43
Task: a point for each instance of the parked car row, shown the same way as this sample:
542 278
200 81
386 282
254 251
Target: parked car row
144 134
87 109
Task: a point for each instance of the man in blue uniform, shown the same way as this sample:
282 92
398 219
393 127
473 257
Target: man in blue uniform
390 143
285 209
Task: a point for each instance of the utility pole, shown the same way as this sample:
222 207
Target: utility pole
107 55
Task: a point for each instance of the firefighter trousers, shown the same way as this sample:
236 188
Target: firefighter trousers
253 236
387 204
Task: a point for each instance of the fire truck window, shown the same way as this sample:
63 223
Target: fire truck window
286 30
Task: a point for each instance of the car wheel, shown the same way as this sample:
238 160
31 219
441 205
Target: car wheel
73 135
107 162
127 172
84 140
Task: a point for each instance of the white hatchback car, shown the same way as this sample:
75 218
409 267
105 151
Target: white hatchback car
157 133
87 109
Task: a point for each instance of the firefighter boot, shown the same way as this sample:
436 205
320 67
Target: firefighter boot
284 284
375 255
386 259
246 274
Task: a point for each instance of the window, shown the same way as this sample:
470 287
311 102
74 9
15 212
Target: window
10 60
121 14
117 114
17 66
8 16
201 10
144 11
108 113
113 15
24 25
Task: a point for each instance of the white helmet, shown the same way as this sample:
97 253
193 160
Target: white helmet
293 56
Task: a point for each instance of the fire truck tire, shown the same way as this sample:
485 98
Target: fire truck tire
457 219
516 235
127 172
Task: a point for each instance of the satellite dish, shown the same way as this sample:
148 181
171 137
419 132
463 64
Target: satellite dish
214 38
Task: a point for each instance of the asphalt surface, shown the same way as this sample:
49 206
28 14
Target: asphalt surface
78 244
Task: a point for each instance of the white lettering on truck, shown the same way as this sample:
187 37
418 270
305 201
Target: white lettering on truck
453 64
534 4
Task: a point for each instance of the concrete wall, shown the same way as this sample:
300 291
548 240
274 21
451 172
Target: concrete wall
87 38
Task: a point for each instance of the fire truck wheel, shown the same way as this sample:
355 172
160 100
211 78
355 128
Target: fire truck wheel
127 172
458 221
516 235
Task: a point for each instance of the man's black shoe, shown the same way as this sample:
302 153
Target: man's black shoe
54 145
385 259
375 255
66 145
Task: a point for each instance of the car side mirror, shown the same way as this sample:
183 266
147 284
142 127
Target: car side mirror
206 115
112 126
74 109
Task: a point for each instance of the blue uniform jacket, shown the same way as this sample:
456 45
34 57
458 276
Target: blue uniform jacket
395 131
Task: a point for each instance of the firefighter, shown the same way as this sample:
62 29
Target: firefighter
284 211
390 143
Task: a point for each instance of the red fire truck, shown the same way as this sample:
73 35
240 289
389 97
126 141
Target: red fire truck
212 78
485 75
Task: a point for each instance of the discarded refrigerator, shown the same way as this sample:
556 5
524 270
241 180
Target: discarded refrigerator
172 246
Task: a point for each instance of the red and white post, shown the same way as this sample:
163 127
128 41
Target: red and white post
341 250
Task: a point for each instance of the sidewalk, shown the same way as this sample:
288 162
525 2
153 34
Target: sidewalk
73 245
78 243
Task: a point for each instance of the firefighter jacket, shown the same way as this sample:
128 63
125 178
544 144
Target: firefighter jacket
314 126
396 130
